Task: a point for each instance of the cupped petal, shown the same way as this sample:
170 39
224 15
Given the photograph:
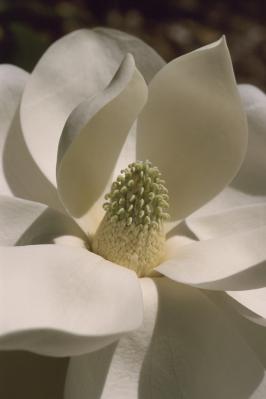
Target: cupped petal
93 138
19 175
231 221
62 301
193 127
234 262
186 348
73 69
25 223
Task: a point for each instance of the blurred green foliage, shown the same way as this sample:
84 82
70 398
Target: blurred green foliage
172 27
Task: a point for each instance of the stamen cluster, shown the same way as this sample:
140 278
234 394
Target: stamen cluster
138 196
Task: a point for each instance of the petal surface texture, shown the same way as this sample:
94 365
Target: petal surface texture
186 348
25 222
233 262
193 127
73 69
94 135
61 301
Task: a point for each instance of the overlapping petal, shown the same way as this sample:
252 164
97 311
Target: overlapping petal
186 347
25 222
92 140
234 262
19 175
72 70
193 127
60 301
252 304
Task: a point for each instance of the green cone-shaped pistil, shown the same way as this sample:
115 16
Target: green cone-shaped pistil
131 232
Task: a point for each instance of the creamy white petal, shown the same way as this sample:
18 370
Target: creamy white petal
19 175
27 375
91 143
61 301
234 262
73 69
193 127
25 222
185 348
231 221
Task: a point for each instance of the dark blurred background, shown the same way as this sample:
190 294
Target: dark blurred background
172 27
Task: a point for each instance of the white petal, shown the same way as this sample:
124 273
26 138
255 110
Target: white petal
234 262
92 140
26 375
19 175
252 175
248 187
12 81
254 332
25 222
62 301
185 349
254 302
228 222
73 69
193 127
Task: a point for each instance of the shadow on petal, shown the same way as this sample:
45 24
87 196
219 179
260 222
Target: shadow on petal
185 348
195 352
23 175
25 375
254 334
52 226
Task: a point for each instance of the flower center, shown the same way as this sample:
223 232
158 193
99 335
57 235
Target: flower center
131 232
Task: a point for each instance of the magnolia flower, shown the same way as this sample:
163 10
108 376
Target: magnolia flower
144 309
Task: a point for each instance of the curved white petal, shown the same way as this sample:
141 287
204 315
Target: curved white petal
185 348
19 175
234 262
193 127
61 301
73 69
92 140
25 222
232 221
27 375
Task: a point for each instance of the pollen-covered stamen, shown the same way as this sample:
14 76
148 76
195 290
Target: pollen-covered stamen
131 233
